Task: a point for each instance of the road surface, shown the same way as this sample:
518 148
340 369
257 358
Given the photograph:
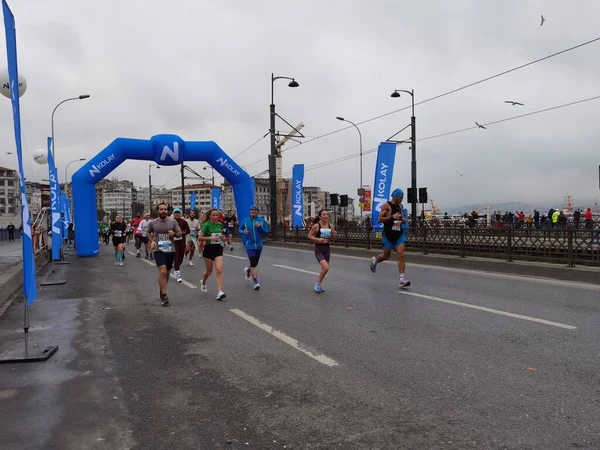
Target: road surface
462 360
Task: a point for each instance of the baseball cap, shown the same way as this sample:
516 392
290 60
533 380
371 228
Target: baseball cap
177 210
254 207
398 193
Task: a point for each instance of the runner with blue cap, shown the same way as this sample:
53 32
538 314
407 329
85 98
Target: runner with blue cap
253 228
392 217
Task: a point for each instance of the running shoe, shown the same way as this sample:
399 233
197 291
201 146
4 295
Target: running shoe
203 288
138 254
319 289
373 264
247 273
256 286
190 263
116 263
121 263
403 283
231 247
179 279
123 255
221 295
164 299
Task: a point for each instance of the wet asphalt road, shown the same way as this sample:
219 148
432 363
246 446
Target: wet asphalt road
461 360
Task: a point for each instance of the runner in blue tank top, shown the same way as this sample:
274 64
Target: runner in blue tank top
394 237
320 233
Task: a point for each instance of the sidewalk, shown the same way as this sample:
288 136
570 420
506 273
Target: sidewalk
10 254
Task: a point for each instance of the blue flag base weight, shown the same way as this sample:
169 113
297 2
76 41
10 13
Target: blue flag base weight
51 279
25 354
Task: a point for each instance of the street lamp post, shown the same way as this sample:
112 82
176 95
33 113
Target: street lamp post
150 166
81 97
272 157
413 164
212 170
360 186
66 183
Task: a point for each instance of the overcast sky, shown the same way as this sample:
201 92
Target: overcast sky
202 70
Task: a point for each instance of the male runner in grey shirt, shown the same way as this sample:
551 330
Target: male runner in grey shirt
160 233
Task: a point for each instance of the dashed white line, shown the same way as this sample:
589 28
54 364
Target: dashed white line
234 256
285 338
187 283
490 310
295 268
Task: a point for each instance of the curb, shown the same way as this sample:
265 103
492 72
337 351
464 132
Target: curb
522 268
11 282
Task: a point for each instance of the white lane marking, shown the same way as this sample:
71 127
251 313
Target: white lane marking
234 256
285 338
529 278
187 283
490 310
296 269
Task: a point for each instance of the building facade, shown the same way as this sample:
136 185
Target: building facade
203 196
9 192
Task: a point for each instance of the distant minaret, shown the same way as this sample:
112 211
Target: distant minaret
569 199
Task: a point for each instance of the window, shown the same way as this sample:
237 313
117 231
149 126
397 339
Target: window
2 182
12 210
2 201
11 183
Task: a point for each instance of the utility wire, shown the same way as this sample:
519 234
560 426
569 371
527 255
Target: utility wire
248 148
439 96
520 116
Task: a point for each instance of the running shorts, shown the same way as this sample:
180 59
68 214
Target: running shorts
392 245
164 259
191 238
118 241
212 251
229 230
322 252
253 256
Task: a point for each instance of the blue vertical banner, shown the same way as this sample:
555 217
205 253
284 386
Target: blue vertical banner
55 204
384 170
193 198
64 209
215 198
29 286
297 197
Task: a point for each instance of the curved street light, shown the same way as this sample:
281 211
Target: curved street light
150 166
81 97
272 161
361 157
413 165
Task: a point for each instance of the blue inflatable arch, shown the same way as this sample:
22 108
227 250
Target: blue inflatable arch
163 149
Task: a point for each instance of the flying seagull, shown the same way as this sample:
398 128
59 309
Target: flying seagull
480 126
542 21
514 103
460 174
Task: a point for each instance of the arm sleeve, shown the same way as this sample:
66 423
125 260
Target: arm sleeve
265 227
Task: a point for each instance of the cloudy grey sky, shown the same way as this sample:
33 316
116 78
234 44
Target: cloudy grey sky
202 70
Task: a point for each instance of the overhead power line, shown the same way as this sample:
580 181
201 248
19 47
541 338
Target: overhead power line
252 145
453 91
520 116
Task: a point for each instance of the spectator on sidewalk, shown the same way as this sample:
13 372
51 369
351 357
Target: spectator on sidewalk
11 232
589 219
576 218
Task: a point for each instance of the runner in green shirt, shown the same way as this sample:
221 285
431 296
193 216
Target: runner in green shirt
210 232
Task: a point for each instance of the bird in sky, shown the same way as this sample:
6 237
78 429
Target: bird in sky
460 174
480 126
542 21
514 103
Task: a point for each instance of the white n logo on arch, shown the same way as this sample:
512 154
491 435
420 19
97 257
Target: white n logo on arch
174 154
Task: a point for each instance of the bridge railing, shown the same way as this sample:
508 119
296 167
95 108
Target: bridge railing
558 245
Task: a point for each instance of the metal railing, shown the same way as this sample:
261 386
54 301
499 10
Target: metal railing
566 245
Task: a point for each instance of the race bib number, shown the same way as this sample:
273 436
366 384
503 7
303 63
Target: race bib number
397 225
218 235
193 233
118 233
326 233
165 246
230 224
177 238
